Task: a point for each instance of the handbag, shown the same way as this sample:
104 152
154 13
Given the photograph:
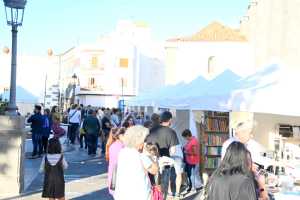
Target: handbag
114 179
156 193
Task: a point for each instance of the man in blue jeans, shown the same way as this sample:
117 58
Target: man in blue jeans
166 140
37 121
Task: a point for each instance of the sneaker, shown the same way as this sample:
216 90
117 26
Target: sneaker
178 197
170 195
33 156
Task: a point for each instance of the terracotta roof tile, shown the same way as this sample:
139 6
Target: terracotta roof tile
215 32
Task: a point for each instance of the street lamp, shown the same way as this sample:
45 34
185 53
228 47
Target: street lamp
14 10
74 78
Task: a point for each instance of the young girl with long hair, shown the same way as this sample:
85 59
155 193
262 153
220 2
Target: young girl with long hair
53 165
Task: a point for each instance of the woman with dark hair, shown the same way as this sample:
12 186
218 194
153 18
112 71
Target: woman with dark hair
233 179
53 165
54 109
128 122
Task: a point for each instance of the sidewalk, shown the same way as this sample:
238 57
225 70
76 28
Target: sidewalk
85 177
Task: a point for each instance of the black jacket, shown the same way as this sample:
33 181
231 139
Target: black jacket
37 121
91 125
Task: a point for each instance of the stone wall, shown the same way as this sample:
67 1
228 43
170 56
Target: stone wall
12 135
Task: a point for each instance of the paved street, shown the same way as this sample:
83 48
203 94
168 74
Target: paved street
85 178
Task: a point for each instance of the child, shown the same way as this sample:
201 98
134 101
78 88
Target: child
151 154
53 165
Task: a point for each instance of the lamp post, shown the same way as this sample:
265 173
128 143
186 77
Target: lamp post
14 10
74 78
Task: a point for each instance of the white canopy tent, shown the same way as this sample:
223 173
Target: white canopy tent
271 90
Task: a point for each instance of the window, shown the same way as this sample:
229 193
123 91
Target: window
94 62
92 83
123 62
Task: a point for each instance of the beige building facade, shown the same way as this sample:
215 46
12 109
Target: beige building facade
272 29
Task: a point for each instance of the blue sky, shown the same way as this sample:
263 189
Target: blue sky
60 24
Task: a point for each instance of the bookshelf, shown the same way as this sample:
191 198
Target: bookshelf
215 132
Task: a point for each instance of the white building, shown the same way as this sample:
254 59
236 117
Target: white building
207 53
272 29
120 65
52 96
31 72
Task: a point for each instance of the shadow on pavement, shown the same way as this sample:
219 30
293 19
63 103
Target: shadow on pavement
100 194
77 170
193 197
23 195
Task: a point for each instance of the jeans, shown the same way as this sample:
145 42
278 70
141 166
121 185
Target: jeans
92 143
165 180
37 144
45 143
188 169
83 136
74 130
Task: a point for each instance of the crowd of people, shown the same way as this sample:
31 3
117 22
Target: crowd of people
145 159
148 162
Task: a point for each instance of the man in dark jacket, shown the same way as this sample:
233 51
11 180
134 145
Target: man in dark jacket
91 127
165 138
37 121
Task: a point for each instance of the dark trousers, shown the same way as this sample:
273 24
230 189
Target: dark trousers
92 143
104 140
188 170
165 180
37 144
45 143
81 138
74 130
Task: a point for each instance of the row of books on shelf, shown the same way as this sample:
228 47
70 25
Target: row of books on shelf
215 139
213 150
212 162
218 125
217 114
